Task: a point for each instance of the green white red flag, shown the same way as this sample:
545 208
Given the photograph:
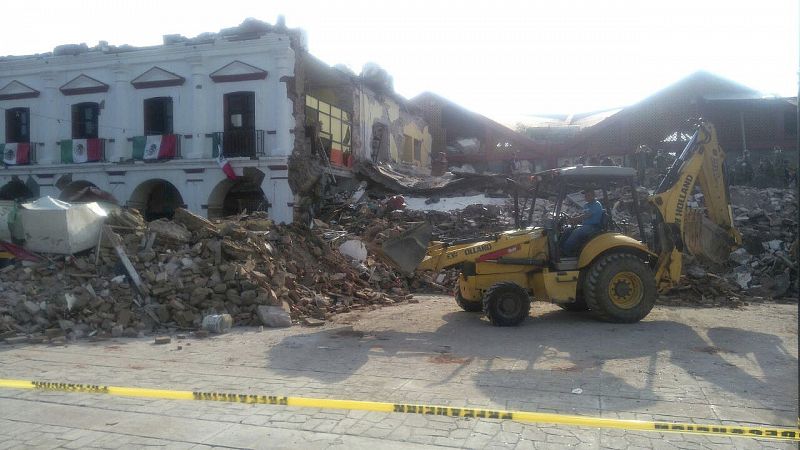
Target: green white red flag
155 147
81 150
225 165
16 153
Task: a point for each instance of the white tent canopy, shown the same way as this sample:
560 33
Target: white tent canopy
53 226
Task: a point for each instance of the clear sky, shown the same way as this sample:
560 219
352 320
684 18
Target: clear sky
504 59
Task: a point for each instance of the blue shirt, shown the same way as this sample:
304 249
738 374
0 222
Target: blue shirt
596 210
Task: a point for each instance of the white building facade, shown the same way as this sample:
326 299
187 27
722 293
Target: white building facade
225 92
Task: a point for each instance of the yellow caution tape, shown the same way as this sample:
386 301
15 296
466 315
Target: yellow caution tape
787 434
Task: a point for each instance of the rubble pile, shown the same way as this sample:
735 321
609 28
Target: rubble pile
764 267
170 274
767 220
363 219
373 223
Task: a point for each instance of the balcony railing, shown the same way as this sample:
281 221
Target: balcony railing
78 151
19 154
239 143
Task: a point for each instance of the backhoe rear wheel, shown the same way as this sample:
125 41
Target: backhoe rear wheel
506 304
467 305
620 288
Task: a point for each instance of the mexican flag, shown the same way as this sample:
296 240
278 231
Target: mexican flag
155 147
13 154
81 150
225 165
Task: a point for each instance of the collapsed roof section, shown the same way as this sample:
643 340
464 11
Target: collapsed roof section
396 181
249 29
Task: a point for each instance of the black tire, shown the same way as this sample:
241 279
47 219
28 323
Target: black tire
506 304
632 295
578 305
467 305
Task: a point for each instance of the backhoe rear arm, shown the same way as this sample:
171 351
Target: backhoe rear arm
700 162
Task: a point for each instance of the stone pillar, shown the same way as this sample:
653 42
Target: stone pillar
199 146
50 152
280 197
121 104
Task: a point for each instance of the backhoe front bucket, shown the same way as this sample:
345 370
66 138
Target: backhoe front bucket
706 239
407 250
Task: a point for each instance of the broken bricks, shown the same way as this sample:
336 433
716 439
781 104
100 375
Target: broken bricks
186 269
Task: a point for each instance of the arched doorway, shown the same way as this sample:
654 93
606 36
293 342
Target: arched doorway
156 199
16 190
85 191
232 197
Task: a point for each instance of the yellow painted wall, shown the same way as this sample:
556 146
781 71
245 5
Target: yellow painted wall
423 134
387 110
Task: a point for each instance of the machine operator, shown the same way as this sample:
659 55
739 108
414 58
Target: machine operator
588 223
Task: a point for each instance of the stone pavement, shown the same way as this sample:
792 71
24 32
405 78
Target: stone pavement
692 365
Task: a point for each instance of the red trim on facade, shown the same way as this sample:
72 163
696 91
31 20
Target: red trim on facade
86 90
256 74
157 84
19 95
240 77
32 94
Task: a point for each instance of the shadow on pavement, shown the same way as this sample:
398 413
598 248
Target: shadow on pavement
553 352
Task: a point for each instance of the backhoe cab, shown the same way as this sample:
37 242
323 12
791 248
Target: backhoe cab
614 275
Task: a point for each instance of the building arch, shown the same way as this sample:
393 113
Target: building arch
84 191
16 190
231 197
156 199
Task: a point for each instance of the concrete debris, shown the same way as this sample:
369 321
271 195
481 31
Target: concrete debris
246 267
354 249
741 256
274 316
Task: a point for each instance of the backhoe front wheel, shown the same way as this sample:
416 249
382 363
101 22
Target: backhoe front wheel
467 305
506 304
620 288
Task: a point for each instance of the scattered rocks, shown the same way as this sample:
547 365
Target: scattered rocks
189 268
274 316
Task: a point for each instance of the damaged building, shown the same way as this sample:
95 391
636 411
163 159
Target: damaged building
472 142
152 127
745 120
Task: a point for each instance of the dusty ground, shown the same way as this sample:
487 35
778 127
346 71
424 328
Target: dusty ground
681 364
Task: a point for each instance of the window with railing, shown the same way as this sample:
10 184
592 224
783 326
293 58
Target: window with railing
238 143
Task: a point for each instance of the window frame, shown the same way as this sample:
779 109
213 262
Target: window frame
79 122
154 107
20 135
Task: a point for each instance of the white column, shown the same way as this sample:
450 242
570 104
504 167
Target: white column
199 146
121 118
284 119
280 196
50 153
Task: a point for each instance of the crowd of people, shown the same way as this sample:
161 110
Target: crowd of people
770 169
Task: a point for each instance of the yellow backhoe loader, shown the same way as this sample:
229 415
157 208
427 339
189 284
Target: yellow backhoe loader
615 276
